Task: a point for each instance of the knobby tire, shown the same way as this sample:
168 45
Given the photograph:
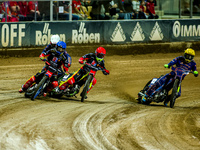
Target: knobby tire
86 87
174 91
39 87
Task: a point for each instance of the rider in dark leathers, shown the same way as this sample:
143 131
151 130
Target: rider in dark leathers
59 58
91 58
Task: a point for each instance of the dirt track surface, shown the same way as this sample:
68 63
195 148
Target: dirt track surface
109 119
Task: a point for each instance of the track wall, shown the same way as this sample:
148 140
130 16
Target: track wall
155 34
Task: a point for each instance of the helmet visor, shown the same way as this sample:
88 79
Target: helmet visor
100 55
60 49
189 57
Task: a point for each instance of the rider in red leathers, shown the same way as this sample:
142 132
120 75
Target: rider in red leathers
91 58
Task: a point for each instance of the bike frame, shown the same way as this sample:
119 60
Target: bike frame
179 73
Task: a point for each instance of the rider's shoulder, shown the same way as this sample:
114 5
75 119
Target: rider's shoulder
90 55
193 62
180 58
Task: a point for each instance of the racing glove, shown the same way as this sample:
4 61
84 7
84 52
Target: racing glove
42 57
106 72
53 50
81 60
196 73
167 66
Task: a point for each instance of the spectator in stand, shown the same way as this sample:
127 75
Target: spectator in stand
151 10
114 10
97 12
128 6
16 10
7 11
84 10
136 8
65 14
2 11
121 11
32 9
125 9
106 7
23 9
196 6
76 6
142 12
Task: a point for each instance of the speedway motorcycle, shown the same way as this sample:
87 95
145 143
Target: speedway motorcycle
161 94
85 81
38 89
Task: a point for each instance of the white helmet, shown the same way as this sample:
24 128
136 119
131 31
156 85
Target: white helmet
55 39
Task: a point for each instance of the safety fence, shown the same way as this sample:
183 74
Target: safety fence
33 34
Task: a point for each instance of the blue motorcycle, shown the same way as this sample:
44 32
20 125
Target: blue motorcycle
166 83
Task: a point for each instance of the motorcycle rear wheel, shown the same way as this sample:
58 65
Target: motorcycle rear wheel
174 93
86 88
39 88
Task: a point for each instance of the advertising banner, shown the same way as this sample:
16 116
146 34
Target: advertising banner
136 31
185 30
33 34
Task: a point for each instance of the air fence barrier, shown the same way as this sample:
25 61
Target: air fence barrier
135 34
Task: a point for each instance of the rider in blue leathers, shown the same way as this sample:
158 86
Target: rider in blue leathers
59 56
185 62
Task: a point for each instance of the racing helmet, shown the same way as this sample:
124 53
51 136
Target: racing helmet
54 39
61 46
100 53
189 55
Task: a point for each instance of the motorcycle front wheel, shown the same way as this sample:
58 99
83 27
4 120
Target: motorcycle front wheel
174 93
29 92
86 88
39 88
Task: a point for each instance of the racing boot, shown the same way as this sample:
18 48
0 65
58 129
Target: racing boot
44 94
166 101
28 83
21 90
57 90
144 99
77 88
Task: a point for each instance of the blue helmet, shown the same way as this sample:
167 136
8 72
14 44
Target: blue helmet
62 44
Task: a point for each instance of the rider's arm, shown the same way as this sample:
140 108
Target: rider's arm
104 70
43 56
66 62
69 59
194 69
174 61
45 53
84 58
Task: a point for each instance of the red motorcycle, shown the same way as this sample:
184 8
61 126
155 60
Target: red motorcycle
41 87
86 80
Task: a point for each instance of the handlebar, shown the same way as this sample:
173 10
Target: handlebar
51 63
185 71
92 67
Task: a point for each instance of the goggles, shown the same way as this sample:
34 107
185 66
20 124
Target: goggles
99 55
187 56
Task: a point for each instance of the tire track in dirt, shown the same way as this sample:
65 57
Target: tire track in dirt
87 127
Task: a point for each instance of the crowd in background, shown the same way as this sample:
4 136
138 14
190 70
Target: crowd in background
19 11
81 10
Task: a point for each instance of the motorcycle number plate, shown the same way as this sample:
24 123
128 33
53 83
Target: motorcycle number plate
153 81
65 77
